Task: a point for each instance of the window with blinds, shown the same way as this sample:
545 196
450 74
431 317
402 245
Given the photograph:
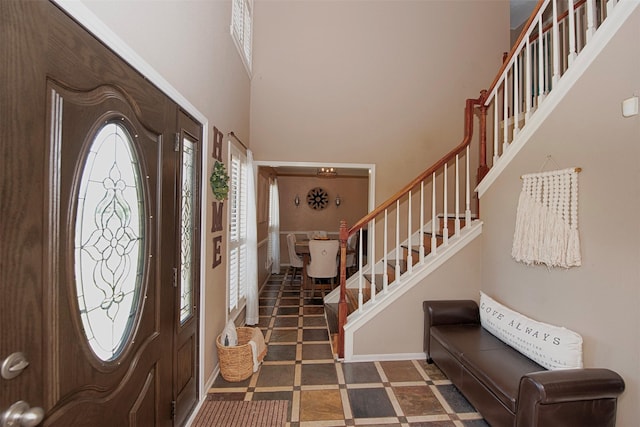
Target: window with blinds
241 28
237 229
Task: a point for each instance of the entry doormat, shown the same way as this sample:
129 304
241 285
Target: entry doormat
260 413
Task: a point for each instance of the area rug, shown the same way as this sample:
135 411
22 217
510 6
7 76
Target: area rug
260 413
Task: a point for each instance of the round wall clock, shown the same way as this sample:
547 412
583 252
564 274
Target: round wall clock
317 198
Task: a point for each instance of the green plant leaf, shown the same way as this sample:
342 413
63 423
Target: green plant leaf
219 181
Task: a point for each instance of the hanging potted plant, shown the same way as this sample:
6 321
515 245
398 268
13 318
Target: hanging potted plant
219 181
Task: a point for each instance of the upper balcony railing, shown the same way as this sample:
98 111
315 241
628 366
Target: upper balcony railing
555 34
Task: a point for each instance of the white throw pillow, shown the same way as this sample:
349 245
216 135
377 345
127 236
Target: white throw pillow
229 336
551 346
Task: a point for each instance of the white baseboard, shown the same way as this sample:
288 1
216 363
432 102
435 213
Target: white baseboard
387 357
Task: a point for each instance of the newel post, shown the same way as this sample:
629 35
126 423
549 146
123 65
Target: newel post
342 304
483 169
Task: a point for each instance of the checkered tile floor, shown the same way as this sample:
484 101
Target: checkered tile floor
299 367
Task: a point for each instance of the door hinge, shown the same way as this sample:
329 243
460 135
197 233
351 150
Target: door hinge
173 409
176 143
175 277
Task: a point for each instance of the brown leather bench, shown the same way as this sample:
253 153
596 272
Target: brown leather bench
505 386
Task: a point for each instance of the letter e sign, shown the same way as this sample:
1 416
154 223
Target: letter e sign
217 251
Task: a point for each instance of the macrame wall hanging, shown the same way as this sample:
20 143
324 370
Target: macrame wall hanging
547 219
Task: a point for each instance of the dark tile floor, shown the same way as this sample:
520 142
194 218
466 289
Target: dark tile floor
299 367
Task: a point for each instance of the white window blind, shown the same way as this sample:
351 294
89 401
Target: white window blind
237 229
241 28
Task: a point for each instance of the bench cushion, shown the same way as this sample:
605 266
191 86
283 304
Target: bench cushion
500 370
465 338
495 364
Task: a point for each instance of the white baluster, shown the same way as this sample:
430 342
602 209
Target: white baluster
467 212
360 273
445 226
434 242
572 33
555 34
373 250
496 155
564 25
397 271
360 254
580 33
385 273
361 276
421 234
457 220
516 96
505 114
527 80
591 21
541 48
409 220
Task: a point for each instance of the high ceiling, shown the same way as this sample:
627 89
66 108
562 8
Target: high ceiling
520 11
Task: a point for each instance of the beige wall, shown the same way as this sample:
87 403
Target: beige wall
379 82
600 299
188 43
354 201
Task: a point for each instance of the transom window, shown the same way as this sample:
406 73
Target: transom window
242 28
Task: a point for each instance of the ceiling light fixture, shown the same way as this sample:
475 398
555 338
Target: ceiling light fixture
327 172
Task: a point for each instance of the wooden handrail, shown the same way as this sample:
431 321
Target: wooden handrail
468 133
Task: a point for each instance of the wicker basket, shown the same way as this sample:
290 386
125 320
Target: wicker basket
236 362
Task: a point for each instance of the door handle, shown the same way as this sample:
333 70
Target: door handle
21 415
13 365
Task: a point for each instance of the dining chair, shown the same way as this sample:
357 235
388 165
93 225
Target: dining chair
324 261
294 259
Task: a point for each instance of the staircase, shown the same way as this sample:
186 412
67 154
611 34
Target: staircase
396 268
366 290
432 218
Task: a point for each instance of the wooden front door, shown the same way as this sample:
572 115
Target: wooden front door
89 225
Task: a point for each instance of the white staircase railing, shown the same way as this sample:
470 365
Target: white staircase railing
556 34
415 240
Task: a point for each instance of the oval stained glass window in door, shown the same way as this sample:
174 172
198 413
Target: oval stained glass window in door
109 241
